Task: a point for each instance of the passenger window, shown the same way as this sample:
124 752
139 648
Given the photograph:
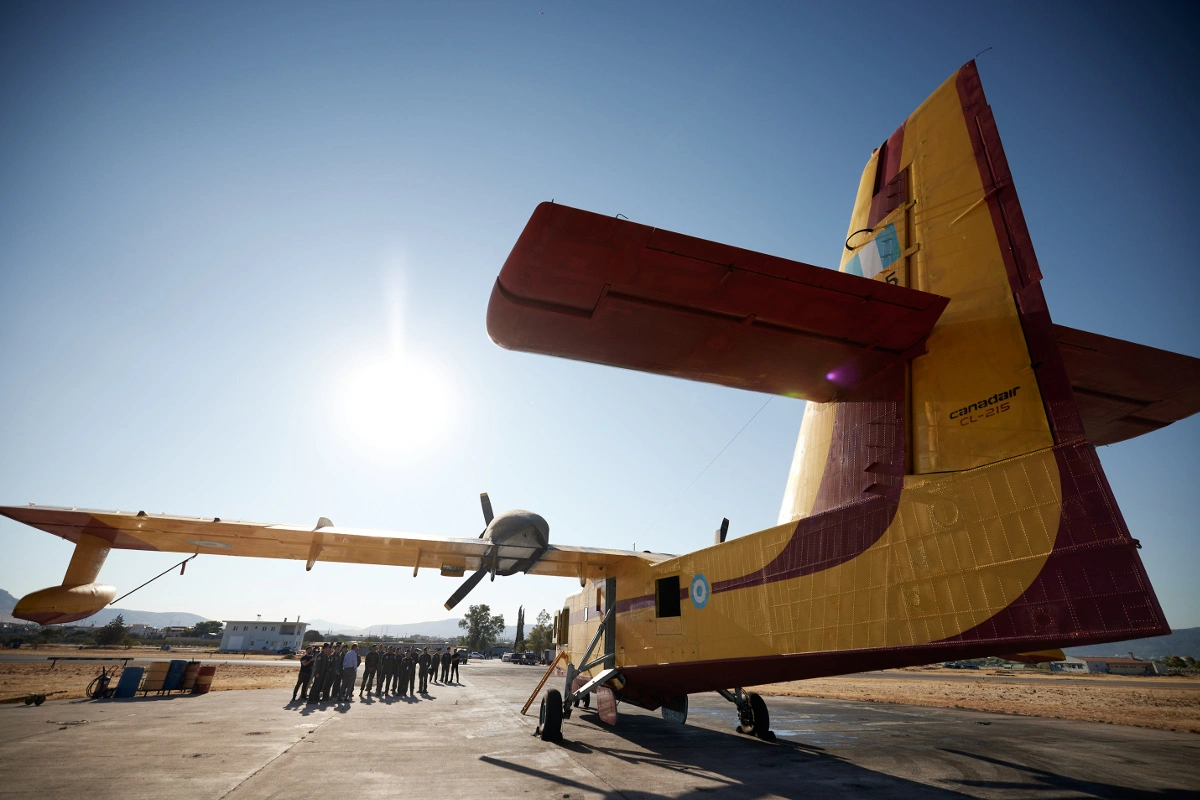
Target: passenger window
666 597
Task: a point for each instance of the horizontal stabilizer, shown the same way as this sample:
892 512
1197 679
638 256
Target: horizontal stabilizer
593 288
1124 389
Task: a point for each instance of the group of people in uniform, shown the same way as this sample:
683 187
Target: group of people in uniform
331 671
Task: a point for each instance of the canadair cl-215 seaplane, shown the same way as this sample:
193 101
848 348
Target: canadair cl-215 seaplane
945 500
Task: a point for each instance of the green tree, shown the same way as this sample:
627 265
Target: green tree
313 636
482 628
541 637
519 644
112 633
47 635
204 628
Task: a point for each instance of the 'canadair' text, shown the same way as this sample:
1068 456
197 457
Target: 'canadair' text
999 397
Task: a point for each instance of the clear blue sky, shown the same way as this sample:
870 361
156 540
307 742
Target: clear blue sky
219 223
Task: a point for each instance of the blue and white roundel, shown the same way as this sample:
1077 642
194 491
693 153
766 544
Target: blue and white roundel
699 591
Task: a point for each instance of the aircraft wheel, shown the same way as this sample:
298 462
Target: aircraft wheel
761 725
28 699
39 699
550 716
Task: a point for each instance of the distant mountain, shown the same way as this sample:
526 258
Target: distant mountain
7 603
158 619
1183 642
325 626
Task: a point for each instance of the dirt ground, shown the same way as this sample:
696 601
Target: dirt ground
1163 703
70 679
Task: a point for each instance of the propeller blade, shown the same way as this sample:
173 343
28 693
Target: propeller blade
486 502
466 588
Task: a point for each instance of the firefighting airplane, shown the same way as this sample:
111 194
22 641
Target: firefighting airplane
945 500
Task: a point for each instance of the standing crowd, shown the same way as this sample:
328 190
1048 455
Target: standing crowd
331 672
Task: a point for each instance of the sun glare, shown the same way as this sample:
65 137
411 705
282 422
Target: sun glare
395 405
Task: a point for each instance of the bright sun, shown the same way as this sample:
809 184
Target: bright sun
395 404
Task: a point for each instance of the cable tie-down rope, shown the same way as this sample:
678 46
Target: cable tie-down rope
182 566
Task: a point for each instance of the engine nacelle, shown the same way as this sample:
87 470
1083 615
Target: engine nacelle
59 604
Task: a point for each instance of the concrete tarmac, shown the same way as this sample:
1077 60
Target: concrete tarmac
469 740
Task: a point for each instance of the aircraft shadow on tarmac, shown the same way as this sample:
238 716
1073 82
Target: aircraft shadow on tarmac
746 767
1040 779
739 766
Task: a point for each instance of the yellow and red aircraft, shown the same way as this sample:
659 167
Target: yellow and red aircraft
945 500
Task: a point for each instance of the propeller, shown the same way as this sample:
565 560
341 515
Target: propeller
486 501
473 581
466 587
522 530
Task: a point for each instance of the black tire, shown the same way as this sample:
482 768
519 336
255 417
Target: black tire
28 699
551 715
39 699
762 717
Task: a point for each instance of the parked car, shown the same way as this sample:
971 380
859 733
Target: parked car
508 658
530 657
476 655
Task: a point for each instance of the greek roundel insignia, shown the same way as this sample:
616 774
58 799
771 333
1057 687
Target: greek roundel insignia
699 591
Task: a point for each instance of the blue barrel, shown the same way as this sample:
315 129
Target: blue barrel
174 675
131 677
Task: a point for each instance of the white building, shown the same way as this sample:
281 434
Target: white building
1069 664
260 635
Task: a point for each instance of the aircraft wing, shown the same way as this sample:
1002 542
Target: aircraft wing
1124 389
593 288
129 530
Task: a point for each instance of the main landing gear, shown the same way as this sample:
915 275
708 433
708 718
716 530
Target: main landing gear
550 717
753 717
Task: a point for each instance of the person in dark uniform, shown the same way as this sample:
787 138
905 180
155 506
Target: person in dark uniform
408 673
387 662
333 671
446 657
372 662
454 662
423 661
320 671
405 668
393 678
306 668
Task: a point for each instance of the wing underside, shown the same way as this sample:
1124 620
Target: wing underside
213 536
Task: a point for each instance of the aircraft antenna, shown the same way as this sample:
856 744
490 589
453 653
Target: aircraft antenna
709 464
